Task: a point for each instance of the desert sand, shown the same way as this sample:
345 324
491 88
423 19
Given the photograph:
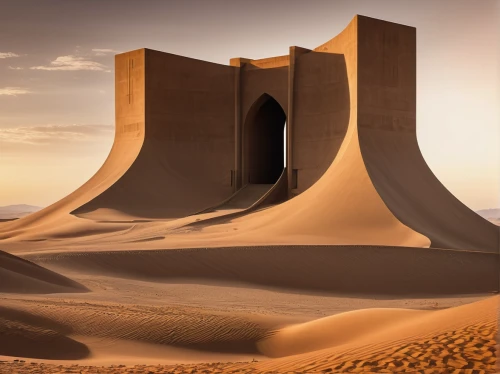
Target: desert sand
121 313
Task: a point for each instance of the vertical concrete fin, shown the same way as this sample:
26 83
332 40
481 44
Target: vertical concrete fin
294 53
387 82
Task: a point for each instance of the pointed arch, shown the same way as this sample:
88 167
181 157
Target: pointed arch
264 143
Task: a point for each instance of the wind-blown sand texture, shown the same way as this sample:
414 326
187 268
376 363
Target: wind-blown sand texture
135 321
370 340
185 311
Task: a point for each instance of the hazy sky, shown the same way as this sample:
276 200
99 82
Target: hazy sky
56 77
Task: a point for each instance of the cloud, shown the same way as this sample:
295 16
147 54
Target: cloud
72 63
13 91
8 55
53 134
104 51
15 68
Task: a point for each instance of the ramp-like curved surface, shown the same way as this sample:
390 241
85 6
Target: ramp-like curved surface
417 198
169 158
242 199
122 155
185 162
388 141
129 137
343 207
155 187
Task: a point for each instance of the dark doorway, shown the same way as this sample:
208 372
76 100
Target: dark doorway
264 143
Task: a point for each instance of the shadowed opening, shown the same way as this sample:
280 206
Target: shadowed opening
265 141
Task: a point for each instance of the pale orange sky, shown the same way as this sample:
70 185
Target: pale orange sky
56 77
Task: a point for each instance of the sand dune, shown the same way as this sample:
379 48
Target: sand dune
457 338
181 327
346 270
379 340
24 334
333 331
21 276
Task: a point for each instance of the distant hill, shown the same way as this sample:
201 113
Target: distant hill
489 213
17 211
492 215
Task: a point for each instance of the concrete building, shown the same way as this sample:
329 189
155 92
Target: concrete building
194 136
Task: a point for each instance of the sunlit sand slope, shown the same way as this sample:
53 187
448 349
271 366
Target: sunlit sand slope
455 340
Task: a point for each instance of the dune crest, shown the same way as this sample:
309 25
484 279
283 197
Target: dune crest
21 276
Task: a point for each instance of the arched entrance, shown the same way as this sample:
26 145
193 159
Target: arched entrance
264 142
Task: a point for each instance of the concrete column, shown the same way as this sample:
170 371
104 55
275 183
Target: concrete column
295 53
238 63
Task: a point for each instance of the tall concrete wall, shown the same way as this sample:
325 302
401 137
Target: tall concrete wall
320 115
130 95
257 81
388 142
186 159
190 110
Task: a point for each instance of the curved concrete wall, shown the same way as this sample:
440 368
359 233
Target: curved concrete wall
387 133
129 138
320 114
185 162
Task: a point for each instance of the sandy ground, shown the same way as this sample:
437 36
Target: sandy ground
128 324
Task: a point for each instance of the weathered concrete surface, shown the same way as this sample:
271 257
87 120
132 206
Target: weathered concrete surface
186 160
321 114
387 133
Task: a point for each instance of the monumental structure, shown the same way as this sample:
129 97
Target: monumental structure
192 136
